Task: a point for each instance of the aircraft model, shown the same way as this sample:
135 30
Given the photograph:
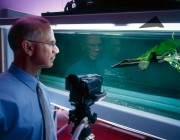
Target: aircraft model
167 51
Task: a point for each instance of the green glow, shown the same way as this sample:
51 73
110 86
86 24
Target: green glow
168 51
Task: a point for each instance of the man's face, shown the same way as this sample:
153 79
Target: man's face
93 45
115 48
45 53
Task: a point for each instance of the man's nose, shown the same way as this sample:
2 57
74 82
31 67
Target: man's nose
56 49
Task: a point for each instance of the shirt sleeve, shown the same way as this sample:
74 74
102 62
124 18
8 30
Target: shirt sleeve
8 115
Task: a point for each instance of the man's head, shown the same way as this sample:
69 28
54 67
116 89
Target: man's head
92 46
114 48
32 41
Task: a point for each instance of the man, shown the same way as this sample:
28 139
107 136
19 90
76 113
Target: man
21 115
91 50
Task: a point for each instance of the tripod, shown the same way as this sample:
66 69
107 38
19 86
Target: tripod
82 118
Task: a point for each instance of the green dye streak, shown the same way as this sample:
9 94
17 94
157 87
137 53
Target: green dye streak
169 50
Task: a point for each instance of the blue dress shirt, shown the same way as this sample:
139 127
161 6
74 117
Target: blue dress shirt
20 113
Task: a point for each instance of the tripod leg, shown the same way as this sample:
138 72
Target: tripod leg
79 128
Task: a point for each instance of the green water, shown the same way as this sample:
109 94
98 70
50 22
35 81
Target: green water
155 89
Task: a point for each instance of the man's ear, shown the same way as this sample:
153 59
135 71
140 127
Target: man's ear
27 47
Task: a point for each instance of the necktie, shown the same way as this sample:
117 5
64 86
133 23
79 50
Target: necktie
46 114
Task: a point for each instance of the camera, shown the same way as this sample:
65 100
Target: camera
84 88
84 91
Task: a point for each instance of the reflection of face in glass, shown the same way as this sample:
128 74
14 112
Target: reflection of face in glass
115 48
92 47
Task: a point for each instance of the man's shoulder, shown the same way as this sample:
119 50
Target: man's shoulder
4 76
6 79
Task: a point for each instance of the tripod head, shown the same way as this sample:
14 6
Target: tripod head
85 90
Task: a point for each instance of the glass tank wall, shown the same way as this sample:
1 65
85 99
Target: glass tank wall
140 69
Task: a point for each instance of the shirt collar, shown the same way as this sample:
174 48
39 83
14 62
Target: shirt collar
24 77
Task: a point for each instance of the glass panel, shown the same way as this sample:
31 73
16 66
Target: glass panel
148 79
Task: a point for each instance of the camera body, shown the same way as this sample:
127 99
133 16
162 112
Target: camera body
84 88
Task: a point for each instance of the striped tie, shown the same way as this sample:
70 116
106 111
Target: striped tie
45 113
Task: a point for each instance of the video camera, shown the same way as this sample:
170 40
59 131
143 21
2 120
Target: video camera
84 91
86 87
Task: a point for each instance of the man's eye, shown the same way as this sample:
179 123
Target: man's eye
53 43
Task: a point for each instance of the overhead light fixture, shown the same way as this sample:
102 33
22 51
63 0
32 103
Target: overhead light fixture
114 27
